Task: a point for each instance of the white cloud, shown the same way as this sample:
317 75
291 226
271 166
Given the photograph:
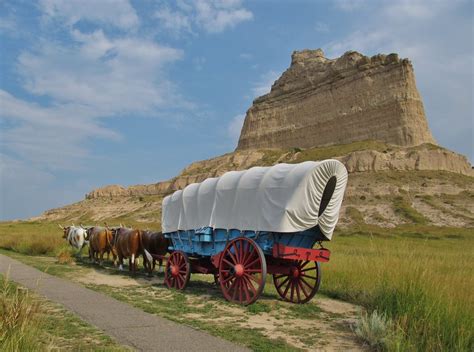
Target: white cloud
174 21
321 27
442 56
264 85
92 79
116 13
216 16
111 75
350 5
235 127
246 56
212 16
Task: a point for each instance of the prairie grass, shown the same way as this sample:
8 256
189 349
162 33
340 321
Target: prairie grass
19 318
422 280
31 238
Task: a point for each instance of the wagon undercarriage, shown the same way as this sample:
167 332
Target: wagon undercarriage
241 270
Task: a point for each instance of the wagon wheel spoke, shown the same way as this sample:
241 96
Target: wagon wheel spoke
303 289
227 279
302 265
286 289
297 288
306 283
283 282
246 252
236 252
251 254
253 262
307 269
279 276
228 263
250 285
246 288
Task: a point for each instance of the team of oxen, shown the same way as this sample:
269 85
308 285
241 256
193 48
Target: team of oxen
120 241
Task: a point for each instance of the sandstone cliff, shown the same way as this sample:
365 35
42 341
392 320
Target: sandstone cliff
356 157
319 101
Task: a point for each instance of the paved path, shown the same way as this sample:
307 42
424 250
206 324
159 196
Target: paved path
128 325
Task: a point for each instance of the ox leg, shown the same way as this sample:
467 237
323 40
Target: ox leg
148 266
101 257
160 265
132 264
120 263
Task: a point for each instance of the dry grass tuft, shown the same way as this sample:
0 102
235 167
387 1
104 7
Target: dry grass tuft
18 318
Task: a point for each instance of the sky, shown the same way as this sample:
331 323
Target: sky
130 92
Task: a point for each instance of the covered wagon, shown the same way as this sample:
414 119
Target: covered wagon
247 224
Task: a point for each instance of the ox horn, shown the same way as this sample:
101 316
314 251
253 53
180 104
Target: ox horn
61 227
106 226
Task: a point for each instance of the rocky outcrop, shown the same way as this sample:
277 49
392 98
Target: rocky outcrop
320 101
425 157
196 172
410 159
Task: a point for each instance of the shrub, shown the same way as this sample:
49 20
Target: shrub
376 330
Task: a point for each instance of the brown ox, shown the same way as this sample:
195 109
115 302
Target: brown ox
155 243
128 244
100 242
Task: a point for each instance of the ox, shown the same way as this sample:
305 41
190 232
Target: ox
100 242
128 244
76 236
157 244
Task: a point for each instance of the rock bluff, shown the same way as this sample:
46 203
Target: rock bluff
320 101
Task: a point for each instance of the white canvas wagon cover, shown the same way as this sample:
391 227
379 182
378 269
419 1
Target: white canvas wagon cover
280 198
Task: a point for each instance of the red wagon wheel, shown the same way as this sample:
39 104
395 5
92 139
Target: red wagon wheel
301 282
178 270
242 271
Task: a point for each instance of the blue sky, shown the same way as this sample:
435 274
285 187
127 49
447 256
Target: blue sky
127 92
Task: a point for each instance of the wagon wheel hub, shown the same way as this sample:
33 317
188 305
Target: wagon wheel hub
295 272
174 270
239 270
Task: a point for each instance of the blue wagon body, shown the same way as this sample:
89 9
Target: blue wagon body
206 242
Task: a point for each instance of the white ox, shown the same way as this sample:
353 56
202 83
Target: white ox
76 236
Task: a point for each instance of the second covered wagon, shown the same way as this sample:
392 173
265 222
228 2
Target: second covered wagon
247 224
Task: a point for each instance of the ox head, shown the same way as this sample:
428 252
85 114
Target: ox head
65 230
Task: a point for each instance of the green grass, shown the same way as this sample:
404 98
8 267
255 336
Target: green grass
422 278
419 277
30 323
402 207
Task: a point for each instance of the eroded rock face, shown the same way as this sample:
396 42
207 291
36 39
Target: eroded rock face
320 101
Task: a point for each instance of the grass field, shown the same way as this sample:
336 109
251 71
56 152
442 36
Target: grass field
419 278
30 323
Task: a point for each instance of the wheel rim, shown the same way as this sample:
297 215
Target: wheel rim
177 271
300 283
242 271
